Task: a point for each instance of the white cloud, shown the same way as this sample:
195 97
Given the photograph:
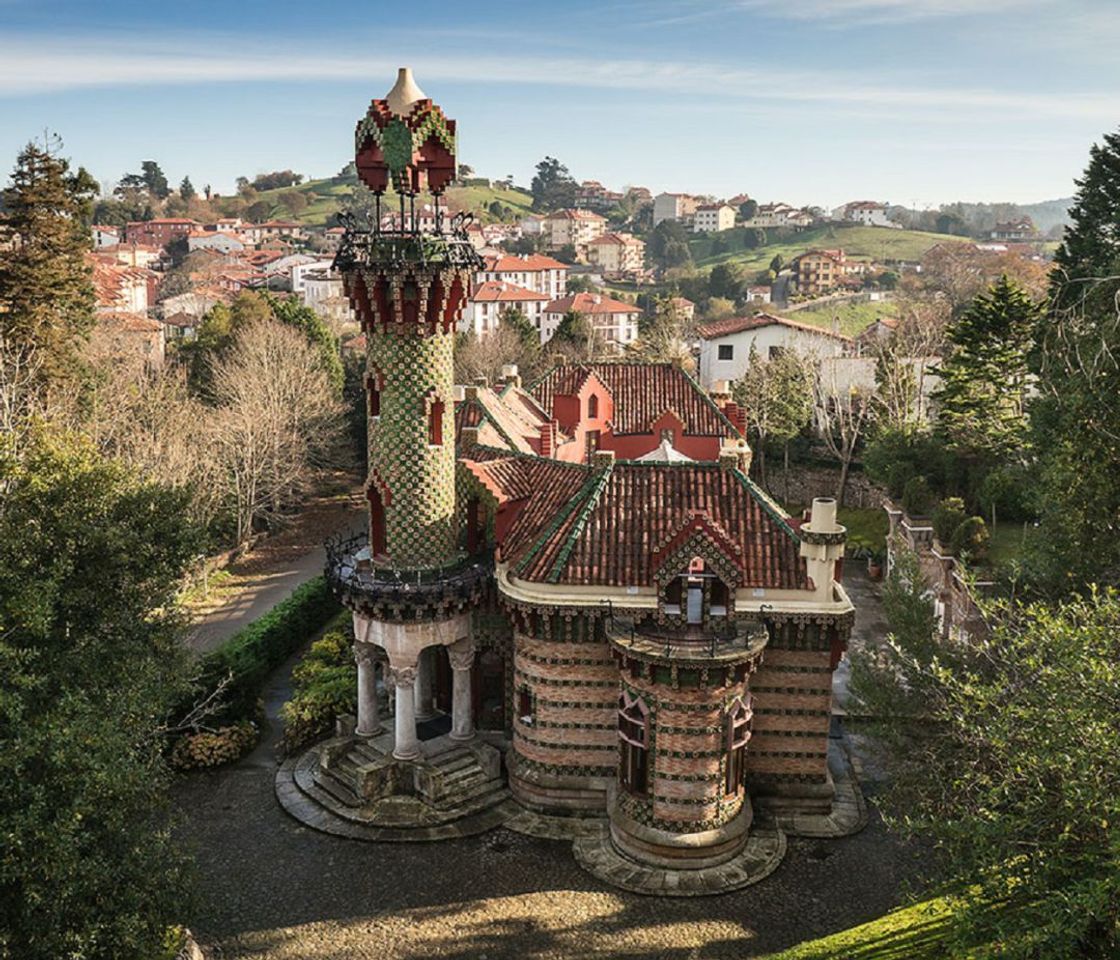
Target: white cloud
40 65
883 11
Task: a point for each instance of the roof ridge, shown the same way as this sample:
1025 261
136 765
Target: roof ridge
556 522
768 504
709 401
599 479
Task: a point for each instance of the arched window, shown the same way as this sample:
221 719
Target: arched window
633 736
738 733
525 706
592 407
435 423
373 395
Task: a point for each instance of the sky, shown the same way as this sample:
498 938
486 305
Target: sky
913 102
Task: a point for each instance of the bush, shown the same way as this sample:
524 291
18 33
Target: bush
325 686
211 749
947 516
971 538
251 654
917 498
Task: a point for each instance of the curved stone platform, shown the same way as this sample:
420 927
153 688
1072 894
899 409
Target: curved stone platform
764 850
849 809
319 803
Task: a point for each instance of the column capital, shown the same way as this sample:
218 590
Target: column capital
461 653
365 654
404 675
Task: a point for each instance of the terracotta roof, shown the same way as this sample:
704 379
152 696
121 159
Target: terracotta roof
495 291
130 322
641 392
724 328
575 215
608 526
590 303
181 319
510 420
613 238
527 263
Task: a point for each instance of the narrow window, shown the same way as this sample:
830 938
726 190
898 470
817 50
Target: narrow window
633 735
474 526
376 522
592 407
373 394
435 423
592 442
718 598
525 706
668 436
738 733
695 600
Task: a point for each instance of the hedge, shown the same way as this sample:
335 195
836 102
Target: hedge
251 654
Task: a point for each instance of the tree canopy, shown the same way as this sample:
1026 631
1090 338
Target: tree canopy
553 187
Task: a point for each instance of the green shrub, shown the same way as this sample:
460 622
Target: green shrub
251 654
325 685
898 475
917 498
947 516
971 537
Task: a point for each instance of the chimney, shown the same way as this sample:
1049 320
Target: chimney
468 437
458 393
602 460
822 545
736 455
548 438
510 375
720 392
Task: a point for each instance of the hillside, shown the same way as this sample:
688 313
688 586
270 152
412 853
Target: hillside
325 197
862 243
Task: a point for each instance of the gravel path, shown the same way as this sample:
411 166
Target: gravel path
274 889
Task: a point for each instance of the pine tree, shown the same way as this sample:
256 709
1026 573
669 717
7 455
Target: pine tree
1076 419
984 380
186 189
46 292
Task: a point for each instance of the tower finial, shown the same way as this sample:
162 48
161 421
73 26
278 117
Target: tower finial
404 94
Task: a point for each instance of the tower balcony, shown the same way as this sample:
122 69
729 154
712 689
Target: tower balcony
731 644
394 595
407 240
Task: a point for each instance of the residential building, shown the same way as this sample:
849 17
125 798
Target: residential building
726 345
685 308
615 321
712 217
617 254
1020 229
674 206
870 213
214 240
322 291
105 236
759 293
533 271
298 267
120 288
592 195
126 337
180 326
483 312
816 272
780 215
572 227
134 254
159 232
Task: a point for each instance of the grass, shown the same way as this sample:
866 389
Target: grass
866 526
917 932
854 317
1006 544
860 243
324 197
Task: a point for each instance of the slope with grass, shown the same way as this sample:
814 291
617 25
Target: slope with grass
325 197
852 316
861 243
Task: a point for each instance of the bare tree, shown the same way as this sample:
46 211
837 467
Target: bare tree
278 423
843 413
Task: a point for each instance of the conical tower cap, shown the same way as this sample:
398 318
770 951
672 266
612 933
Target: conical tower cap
404 93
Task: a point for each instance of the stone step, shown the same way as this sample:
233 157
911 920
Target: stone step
463 775
364 753
453 760
480 797
343 792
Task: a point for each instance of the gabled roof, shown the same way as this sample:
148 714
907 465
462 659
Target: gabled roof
725 328
495 291
524 263
591 303
510 420
605 526
642 392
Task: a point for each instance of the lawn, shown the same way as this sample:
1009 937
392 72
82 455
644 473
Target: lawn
866 526
916 932
860 243
1006 544
854 316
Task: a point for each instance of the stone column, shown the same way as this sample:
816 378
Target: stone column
369 720
424 708
405 744
461 654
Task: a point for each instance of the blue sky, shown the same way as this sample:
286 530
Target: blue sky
810 101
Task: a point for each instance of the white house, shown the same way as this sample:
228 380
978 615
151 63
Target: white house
617 254
674 206
712 217
483 311
213 240
105 236
615 321
575 227
725 345
868 212
298 266
529 270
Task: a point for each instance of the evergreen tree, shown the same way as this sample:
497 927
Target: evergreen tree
529 336
553 187
46 291
1076 418
186 189
668 245
984 380
154 179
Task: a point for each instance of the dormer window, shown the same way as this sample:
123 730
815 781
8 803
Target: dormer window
696 595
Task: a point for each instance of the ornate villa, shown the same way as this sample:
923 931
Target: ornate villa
589 621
